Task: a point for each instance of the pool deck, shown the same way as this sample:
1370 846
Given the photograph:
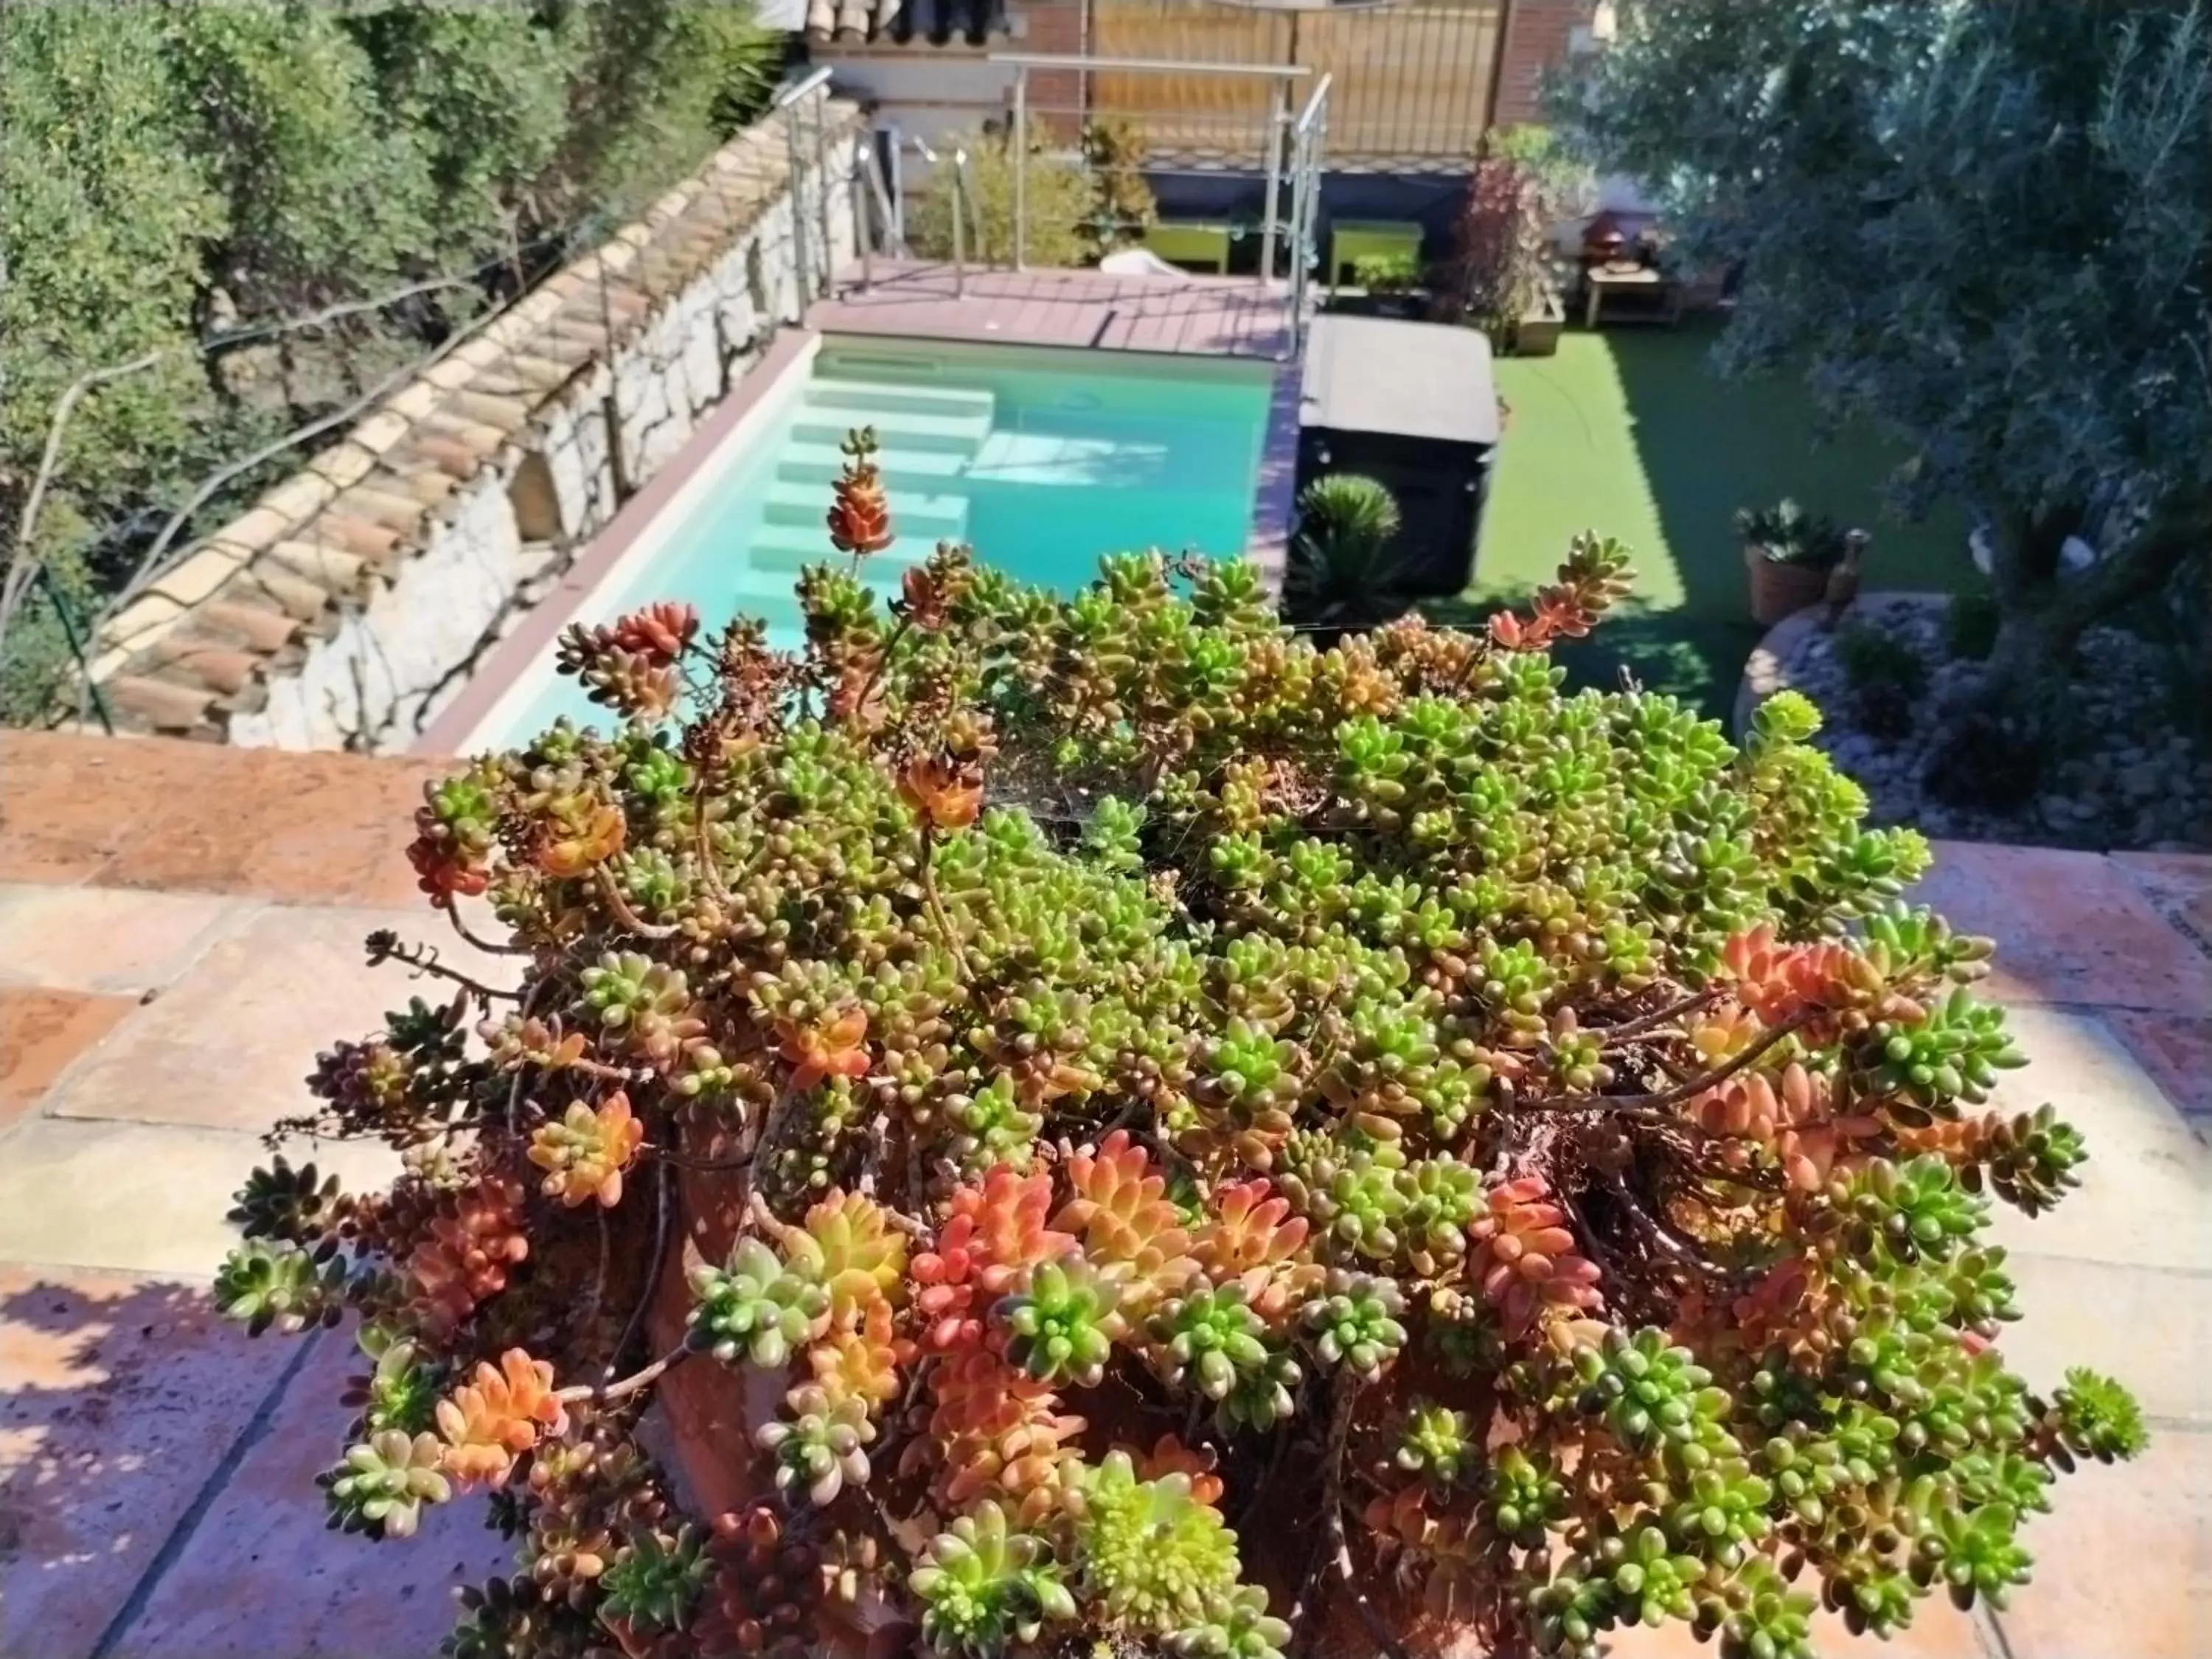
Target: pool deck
1185 316
1081 310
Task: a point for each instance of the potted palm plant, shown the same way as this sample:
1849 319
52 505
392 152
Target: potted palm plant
1345 570
1787 553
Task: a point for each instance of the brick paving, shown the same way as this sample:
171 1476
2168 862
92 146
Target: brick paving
176 941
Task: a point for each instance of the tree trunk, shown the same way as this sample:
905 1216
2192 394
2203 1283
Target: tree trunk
2044 613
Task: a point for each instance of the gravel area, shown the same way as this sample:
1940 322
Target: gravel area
2125 781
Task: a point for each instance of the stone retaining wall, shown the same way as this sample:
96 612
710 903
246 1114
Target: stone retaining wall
348 602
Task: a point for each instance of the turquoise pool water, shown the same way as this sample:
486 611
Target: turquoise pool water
1041 460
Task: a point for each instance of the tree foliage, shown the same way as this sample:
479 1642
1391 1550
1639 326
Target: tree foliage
1988 226
170 172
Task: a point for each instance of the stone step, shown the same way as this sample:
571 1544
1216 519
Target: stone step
871 397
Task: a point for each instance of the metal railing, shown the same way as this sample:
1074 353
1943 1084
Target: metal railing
1024 63
889 200
1309 144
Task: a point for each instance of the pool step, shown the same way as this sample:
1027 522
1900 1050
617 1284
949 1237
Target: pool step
916 515
961 430
819 464
867 400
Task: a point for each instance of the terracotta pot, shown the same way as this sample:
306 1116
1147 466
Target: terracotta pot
710 1411
1780 590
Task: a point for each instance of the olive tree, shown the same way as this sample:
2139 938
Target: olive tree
1988 226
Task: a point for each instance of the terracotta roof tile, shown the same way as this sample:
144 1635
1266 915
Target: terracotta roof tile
267 630
163 705
236 608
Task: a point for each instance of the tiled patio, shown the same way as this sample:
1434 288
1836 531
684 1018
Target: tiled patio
178 929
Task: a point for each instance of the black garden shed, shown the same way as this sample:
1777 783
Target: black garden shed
1414 406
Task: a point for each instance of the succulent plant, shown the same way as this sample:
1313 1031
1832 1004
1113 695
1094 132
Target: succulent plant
822 1446
756 1309
1157 1558
654 1583
497 1416
1530 1126
982 1585
384 1481
281 1286
586 1151
1062 1324
280 1202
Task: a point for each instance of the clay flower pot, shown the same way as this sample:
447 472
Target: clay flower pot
1780 588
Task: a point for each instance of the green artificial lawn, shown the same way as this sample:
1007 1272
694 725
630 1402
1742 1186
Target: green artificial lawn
1630 433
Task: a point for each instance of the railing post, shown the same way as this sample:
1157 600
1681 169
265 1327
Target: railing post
959 223
822 186
1279 121
1021 164
864 204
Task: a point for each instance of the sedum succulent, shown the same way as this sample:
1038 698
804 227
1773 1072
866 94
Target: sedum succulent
384 1481
756 1309
983 1586
1531 1126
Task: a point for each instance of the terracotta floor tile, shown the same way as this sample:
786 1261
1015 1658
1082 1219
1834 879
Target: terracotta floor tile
2179 885
198 818
41 1033
2151 1330
104 939
2143 1195
261 1577
140 1198
68 802
2123 1569
230 1045
2069 926
2175 1050
118 1398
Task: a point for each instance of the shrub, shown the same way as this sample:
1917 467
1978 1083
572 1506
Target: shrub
1887 678
1122 206
1387 273
1057 205
1156 1070
1498 249
1344 569
1787 534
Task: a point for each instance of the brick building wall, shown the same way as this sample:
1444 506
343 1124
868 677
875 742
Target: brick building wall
1540 34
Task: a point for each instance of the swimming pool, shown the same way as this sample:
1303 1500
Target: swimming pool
1042 458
